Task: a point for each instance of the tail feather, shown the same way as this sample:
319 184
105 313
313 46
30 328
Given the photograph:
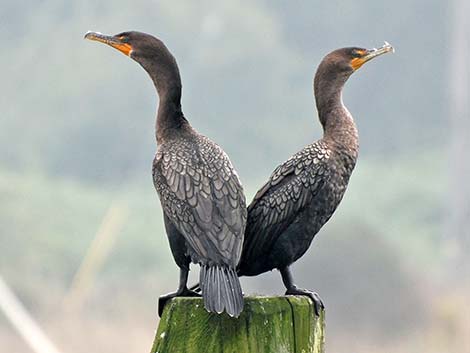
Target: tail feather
221 289
232 300
215 290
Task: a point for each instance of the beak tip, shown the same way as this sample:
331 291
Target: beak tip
388 45
91 35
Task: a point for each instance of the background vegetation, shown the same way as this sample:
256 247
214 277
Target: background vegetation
77 137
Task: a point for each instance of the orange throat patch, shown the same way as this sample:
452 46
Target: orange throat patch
356 63
124 48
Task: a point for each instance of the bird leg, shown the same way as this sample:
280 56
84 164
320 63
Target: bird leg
293 290
182 291
196 288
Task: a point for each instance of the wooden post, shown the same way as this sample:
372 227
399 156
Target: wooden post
267 325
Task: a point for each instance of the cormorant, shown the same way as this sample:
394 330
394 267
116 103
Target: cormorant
303 192
201 195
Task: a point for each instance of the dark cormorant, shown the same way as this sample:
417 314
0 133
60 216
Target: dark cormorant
303 192
201 196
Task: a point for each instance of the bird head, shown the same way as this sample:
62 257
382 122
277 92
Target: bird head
349 60
150 53
137 45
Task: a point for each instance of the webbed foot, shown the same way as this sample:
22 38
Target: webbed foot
163 300
317 302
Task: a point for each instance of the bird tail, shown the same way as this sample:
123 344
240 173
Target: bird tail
221 289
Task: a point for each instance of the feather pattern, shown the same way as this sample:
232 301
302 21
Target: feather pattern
202 196
294 188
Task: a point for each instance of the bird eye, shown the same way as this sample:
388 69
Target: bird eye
123 37
358 53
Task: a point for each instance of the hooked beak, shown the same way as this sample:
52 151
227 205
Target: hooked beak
115 42
356 63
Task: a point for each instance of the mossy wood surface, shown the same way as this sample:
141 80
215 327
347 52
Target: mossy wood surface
267 325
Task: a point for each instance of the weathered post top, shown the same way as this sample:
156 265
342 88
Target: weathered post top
285 324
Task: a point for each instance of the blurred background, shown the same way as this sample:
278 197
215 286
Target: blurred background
81 237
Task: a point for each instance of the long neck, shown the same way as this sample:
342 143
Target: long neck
338 124
165 76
